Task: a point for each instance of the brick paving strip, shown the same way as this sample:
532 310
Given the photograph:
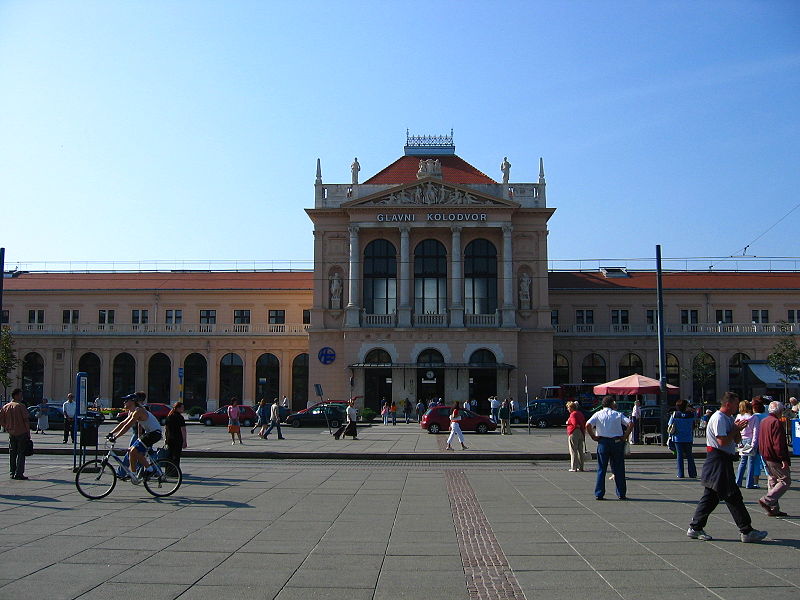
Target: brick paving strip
486 569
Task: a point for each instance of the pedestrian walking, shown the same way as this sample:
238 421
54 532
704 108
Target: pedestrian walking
393 412
746 447
505 418
576 434
455 428
385 411
349 428
610 429
494 406
681 430
234 427
274 420
262 417
775 452
42 418
69 418
421 408
407 410
175 433
719 483
14 418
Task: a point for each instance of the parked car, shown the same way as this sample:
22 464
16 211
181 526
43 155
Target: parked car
437 419
543 413
322 414
55 416
247 416
160 412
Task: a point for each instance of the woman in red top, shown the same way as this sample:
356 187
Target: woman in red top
576 433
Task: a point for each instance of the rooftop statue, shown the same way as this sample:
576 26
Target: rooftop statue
505 167
354 169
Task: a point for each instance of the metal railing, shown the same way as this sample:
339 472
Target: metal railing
681 329
169 329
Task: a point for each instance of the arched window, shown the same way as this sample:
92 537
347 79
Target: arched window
32 377
704 378
231 378
430 356
430 278
89 363
593 369
123 376
480 278
378 356
300 381
673 370
735 379
268 377
560 369
380 278
483 357
630 364
195 380
159 375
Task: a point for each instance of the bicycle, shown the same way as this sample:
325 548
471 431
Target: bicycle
96 478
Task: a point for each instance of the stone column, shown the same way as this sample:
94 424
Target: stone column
509 314
353 306
320 266
456 280
404 308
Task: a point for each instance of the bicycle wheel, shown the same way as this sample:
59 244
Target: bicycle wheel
166 482
95 479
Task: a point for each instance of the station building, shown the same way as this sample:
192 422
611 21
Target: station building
430 280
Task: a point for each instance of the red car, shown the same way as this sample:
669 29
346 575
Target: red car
438 419
160 412
247 416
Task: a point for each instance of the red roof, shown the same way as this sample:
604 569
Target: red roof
188 280
454 170
676 280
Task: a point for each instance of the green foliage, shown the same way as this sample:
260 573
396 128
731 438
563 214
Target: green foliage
785 359
704 371
8 359
194 411
367 414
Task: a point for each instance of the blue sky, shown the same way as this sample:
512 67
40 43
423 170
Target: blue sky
189 131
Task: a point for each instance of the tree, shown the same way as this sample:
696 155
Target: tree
704 371
8 359
785 359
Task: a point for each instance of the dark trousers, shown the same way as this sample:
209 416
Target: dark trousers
175 450
276 424
611 450
68 433
709 502
684 450
17 444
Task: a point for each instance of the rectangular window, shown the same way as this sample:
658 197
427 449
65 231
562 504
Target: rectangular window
584 317
651 316
554 318
277 317
724 315
689 316
619 316
139 316
306 316
105 316
793 316
241 317
173 316
69 317
36 316
4 316
208 317
760 315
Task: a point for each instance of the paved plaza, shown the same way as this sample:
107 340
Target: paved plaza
384 529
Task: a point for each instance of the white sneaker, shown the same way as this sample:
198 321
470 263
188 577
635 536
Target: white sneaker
698 534
753 536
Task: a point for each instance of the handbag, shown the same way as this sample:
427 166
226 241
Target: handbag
29 448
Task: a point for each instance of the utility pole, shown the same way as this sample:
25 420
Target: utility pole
662 353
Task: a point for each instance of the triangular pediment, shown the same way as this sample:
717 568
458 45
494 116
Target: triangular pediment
430 191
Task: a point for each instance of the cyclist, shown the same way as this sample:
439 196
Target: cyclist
148 427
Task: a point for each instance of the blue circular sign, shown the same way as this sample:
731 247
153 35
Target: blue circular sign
326 356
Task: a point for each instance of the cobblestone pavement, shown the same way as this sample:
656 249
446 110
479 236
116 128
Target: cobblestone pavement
379 530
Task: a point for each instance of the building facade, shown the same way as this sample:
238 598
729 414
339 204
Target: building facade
430 280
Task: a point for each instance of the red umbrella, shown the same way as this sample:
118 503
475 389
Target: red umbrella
631 385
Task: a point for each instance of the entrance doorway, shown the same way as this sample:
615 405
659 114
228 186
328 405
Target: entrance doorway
377 385
483 383
430 384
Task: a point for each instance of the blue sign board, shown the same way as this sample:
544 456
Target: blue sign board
326 356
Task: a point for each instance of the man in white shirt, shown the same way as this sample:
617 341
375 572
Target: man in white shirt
494 404
610 429
69 418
